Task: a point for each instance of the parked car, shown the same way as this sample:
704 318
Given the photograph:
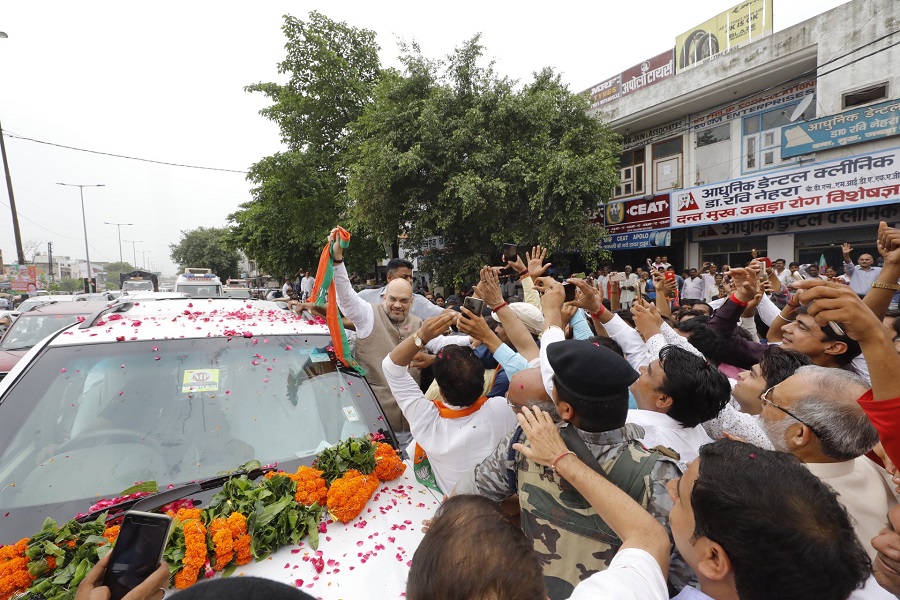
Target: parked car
183 391
31 327
34 301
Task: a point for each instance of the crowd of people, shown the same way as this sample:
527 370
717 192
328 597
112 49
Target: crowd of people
718 433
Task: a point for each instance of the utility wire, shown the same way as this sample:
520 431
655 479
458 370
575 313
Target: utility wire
157 162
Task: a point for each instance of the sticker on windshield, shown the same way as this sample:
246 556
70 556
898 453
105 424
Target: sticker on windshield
350 413
200 380
319 357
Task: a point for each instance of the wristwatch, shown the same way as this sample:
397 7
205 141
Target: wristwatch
886 286
418 341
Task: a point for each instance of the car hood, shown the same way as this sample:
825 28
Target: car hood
9 358
368 557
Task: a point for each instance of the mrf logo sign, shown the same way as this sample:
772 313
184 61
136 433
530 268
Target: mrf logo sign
637 214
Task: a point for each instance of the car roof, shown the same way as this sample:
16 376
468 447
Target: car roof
188 318
67 308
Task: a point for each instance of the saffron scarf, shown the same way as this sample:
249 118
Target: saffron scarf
324 294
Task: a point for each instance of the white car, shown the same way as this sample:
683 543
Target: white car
181 391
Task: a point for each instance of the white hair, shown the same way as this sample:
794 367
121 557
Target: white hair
829 405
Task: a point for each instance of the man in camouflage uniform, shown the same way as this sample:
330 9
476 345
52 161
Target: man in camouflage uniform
589 386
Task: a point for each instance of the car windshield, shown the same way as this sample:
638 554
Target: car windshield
88 421
30 328
138 285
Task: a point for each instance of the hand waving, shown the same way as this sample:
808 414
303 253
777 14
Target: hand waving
536 266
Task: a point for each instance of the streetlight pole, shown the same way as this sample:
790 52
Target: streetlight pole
144 254
119 227
20 254
134 250
87 254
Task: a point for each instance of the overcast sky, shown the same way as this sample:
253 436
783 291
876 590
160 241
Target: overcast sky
164 81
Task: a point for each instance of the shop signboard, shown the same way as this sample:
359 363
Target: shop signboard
605 91
727 112
649 72
863 180
637 214
741 23
837 219
849 127
639 239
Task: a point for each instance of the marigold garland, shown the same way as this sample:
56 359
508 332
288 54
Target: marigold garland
225 540
195 554
311 487
348 495
110 533
388 464
14 576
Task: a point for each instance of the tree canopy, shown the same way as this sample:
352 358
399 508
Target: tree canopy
112 273
206 247
445 154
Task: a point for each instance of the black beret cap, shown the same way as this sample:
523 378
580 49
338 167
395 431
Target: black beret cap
587 371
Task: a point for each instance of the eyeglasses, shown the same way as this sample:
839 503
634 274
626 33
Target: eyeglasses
765 398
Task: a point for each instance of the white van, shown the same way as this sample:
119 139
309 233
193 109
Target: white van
199 283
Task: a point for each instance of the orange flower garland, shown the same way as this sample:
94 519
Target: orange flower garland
311 488
194 547
388 465
348 495
220 534
240 538
14 576
110 533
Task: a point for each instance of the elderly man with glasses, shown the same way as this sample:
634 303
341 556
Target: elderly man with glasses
814 415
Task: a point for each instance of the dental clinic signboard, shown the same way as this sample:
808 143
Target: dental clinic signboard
849 127
863 180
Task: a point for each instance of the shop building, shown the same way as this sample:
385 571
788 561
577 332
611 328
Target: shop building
786 142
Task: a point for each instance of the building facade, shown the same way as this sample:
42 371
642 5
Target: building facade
788 144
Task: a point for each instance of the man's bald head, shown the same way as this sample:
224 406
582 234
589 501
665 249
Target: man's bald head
398 297
526 388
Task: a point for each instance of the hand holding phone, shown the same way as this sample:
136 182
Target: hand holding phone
137 553
510 252
569 289
476 305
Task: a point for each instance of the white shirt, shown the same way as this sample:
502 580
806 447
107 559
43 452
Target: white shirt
632 575
694 288
285 289
454 446
306 284
739 424
662 430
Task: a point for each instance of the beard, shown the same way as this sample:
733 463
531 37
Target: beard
395 317
775 431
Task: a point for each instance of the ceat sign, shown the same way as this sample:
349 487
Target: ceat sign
650 208
636 214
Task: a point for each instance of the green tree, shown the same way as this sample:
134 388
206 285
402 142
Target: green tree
206 247
300 194
113 270
450 149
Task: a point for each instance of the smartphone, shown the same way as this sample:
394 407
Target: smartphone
670 276
569 289
617 277
766 261
476 305
138 551
510 252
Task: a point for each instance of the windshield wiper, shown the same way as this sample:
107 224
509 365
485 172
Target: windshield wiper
157 500
18 348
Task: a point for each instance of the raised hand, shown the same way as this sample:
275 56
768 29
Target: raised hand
646 319
336 251
536 266
586 296
432 327
826 301
488 288
845 248
889 244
